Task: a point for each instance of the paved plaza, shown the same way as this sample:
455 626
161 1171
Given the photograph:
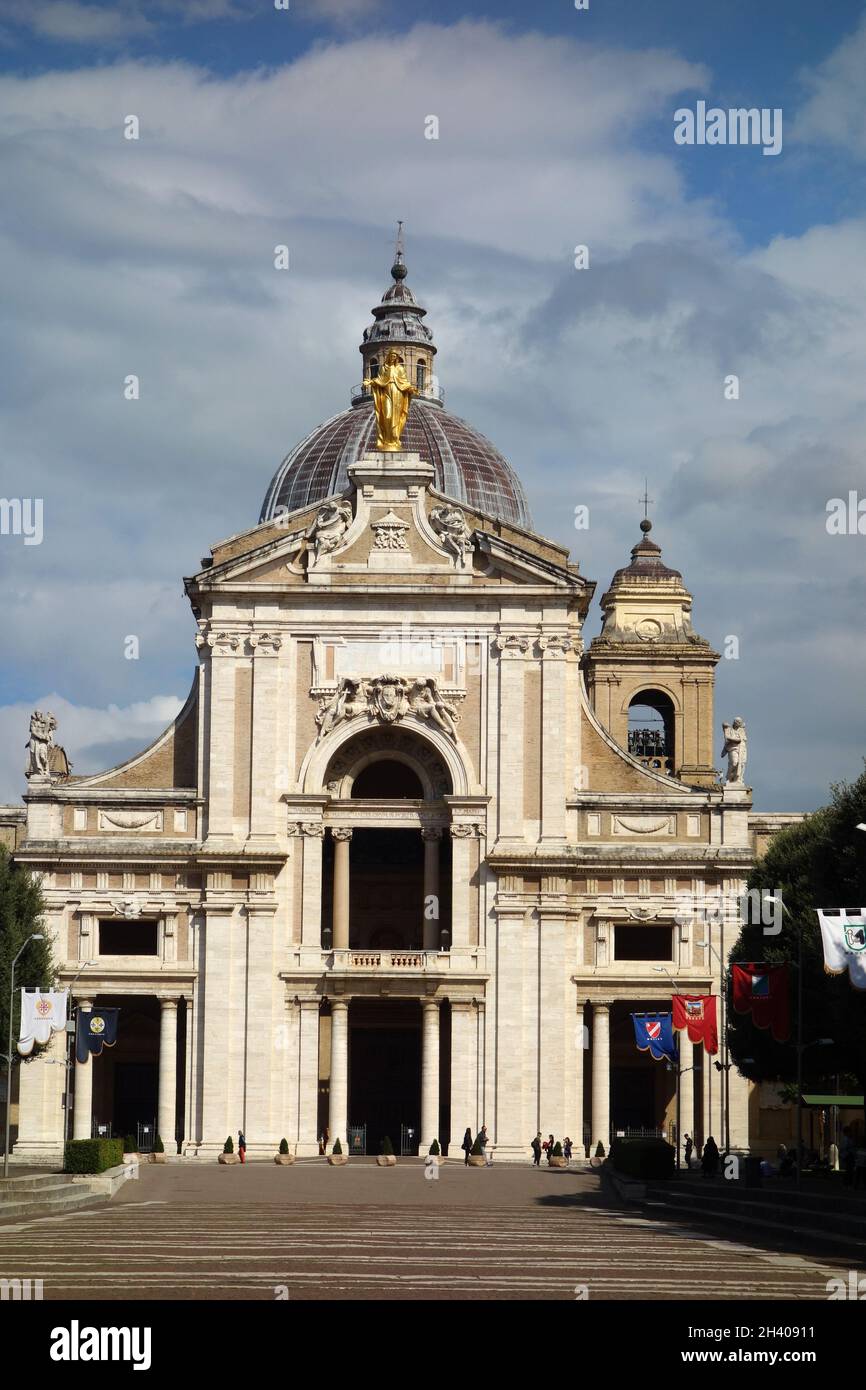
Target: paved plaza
196 1231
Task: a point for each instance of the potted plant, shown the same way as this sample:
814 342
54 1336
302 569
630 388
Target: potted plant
284 1157
476 1154
228 1154
556 1158
598 1158
386 1158
434 1154
158 1155
336 1157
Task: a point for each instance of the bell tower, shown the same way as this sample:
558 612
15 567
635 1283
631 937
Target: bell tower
650 676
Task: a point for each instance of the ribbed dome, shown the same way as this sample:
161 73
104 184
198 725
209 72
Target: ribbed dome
467 466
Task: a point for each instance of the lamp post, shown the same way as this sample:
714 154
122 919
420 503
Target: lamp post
35 936
724 1066
662 970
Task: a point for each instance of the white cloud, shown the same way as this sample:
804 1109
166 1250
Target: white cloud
67 21
835 111
156 257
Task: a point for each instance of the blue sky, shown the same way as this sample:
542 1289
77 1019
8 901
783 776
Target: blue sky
305 127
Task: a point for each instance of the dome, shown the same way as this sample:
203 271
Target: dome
466 466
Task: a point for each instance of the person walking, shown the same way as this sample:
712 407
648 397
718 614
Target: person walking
466 1146
710 1160
566 1149
536 1150
482 1135
242 1146
549 1146
689 1147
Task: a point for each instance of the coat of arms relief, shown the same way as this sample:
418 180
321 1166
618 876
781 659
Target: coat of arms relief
386 700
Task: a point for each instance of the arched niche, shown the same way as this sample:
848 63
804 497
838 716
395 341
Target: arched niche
357 758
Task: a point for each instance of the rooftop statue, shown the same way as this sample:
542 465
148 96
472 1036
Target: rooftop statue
392 393
736 750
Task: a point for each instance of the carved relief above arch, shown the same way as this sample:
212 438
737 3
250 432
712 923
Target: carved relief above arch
333 763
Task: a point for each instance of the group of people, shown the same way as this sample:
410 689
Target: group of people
709 1157
547 1147
482 1141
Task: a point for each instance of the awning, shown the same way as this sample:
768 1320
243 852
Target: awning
849 1102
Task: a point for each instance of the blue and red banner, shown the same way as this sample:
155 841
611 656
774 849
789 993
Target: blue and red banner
654 1034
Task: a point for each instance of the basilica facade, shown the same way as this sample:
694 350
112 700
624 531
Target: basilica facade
415 847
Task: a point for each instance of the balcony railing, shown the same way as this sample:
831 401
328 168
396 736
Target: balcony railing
429 393
387 960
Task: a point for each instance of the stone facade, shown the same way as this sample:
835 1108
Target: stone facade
398 812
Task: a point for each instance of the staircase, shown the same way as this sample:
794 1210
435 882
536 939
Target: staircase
48 1194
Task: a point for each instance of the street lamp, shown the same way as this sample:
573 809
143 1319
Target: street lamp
36 936
725 1066
663 970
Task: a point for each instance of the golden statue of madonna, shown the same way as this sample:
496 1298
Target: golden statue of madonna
392 393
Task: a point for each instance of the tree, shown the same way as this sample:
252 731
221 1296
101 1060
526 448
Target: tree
819 863
21 912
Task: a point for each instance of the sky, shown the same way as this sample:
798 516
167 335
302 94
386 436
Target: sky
308 126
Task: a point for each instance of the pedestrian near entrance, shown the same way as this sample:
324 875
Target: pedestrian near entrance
689 1147
466 1146
242 1146
536 1149
482 1135
710 1160
549 1146
566 1149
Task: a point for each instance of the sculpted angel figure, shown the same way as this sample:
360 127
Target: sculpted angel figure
449 523
736 751
392 393
331 523
40 744
428 703
342 705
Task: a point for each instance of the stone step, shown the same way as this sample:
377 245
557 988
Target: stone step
27 1206
786 1199
818 1225
33 1182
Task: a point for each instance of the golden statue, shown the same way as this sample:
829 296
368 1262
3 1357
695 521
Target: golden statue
392 392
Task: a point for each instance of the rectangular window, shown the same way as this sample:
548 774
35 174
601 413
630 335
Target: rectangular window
128 938
643 943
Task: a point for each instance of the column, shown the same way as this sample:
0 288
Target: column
464 1074
687 1091
166 1112
553 750
342 838
306 1137
706 1107
600 1075
82 1113
263 792
220 757
189 1120
574 1093
429 1074
513 648
432 914
338 1113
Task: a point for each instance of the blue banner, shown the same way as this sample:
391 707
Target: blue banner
95 1029
654 1034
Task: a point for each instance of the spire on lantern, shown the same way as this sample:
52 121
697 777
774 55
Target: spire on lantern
398 327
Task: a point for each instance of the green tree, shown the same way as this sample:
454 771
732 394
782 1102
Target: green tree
21 913
819 863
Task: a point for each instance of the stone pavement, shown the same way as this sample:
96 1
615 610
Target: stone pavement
201 1231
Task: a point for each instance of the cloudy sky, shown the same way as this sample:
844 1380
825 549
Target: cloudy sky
306 126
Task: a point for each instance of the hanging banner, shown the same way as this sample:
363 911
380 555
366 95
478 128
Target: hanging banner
763 991
96 1028
43 1012
697 1014
843 934
654 1034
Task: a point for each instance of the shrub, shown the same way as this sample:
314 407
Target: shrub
229 1146
158 1146
386 1147
599 1149
284 1146
478 1147
338 1147
130 1145
92 1155
557 1150
434 1148
643 1158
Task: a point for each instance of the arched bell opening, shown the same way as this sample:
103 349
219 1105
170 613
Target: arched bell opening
651 730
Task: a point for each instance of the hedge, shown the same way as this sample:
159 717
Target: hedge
642 1158
92 1155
